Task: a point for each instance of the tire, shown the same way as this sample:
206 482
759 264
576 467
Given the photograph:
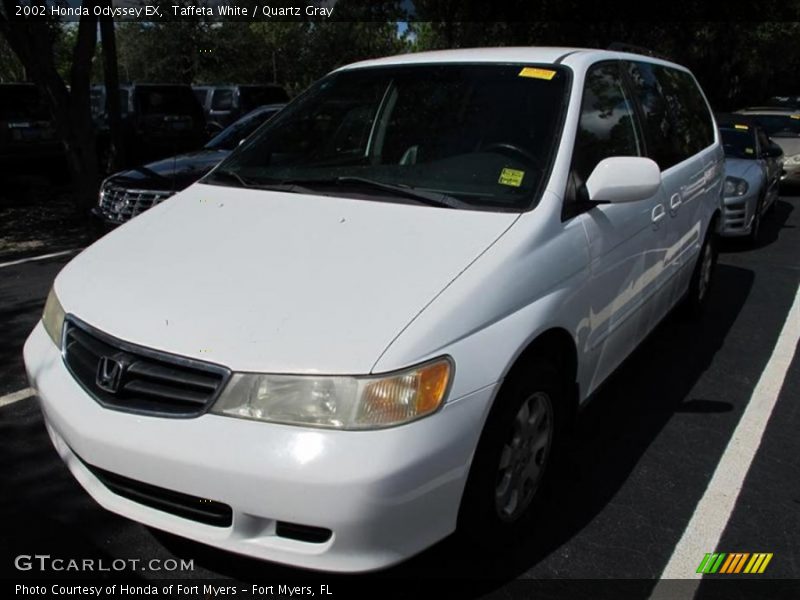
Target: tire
703 275
513 462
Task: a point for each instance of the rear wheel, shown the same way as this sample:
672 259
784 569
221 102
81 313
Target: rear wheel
703 275
514 457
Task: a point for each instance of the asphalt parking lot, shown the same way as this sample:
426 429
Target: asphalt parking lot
635 475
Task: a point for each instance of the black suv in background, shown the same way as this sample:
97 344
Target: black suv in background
28 140
158 120
224 104
130 192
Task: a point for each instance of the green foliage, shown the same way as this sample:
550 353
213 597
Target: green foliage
738 63
10 67
292 53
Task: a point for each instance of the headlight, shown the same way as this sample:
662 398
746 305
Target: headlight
371 402
792 160
53 318
735 187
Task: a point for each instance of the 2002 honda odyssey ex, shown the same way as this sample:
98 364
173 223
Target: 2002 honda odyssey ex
371 322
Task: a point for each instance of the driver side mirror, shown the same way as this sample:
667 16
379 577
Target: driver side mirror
772 151
623 179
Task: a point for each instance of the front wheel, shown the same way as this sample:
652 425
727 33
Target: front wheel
514 457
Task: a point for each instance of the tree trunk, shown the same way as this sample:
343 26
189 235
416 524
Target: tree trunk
32 42
116 146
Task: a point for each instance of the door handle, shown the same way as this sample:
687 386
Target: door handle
658 213
674 203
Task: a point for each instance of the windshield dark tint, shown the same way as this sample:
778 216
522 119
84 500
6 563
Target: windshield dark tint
738 143
780 125
483 134
251 97
230 137
153 100
21 102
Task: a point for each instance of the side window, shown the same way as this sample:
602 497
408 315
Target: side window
222 100
606 126
690 115
658 125
699 116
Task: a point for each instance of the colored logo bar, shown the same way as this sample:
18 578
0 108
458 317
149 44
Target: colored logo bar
734 562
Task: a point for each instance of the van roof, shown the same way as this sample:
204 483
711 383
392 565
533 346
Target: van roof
520 54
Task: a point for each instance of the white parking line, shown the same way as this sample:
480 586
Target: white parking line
708 522
16 396
40 257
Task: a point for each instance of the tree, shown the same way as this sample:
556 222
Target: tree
116 148
33 40
10 68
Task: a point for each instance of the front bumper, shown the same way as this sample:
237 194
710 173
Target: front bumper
791 175
737 215
385 495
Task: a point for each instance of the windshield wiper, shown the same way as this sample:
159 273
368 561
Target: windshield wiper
426 197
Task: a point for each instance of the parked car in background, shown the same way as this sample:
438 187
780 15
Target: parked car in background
202 93
783 127
129 193
785 102
29 144
753 169
374 322
226 103
158 120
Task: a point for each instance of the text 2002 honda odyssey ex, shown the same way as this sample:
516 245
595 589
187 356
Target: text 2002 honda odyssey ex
371 322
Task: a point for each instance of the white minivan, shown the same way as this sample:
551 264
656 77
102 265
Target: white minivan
373 321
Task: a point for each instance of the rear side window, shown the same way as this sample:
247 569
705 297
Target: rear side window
677 120
606 125
222 100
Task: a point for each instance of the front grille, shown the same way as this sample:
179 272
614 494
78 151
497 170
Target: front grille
120 204
126 377
183 505
735 215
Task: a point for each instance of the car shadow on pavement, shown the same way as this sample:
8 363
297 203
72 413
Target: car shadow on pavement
610 437
45 511
37 225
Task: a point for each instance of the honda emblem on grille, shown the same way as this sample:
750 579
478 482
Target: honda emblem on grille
109 374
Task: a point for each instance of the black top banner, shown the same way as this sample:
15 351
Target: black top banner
463 11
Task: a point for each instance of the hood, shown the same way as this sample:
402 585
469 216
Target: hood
177 172
741 167
790 145
270 281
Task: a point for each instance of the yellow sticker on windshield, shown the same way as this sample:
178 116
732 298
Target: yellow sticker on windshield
744 127
537 73
749 151
511 177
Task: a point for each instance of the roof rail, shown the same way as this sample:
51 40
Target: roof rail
625 47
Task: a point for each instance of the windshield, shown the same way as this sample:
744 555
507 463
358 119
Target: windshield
481 135
21 102
173 100
780 125
252 96
230 137
738 143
